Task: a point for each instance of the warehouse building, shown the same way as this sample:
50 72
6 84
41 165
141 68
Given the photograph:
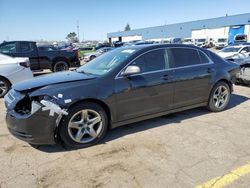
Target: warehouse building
221 27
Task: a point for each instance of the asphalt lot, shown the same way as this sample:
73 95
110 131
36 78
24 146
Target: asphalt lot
180 150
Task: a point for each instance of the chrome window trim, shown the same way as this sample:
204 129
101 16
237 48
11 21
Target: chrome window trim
118 76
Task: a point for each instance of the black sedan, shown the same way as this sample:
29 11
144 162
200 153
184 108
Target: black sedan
126 85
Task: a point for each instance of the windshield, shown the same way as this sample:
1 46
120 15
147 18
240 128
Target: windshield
230 49
106 62
222 40
201 40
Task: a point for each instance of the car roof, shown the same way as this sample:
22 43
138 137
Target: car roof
154 46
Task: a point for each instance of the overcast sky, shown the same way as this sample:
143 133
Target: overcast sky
54 19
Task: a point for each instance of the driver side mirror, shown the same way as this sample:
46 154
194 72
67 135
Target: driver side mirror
243 52
130 70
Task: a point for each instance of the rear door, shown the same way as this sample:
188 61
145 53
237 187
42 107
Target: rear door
149 92
28 49
193 71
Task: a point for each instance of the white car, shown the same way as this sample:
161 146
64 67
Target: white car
92 55
220 43
200 42
188 41
235 52
13 70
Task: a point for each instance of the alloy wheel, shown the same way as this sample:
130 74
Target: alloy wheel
3 88
220 96
85 126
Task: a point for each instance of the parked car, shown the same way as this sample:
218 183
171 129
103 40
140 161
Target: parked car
126 85
176 40
220 43
12 71
102 45
200 42
55 60
233 52
84 50
243 77
135 43
117 44
92 55
239 38
187 41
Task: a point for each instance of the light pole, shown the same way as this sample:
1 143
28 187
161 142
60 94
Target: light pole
78 30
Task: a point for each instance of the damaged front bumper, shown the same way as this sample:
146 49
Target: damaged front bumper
32 121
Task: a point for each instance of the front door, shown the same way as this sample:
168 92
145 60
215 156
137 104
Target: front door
149 92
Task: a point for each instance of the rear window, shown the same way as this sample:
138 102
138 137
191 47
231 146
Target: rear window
215 58
184 57
25 47
203 58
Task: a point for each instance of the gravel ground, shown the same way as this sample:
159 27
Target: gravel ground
179 150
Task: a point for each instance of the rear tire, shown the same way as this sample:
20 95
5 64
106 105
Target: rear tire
92 57
4 86
60 66
219 97
84 126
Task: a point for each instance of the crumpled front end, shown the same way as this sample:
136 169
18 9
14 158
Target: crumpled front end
33 119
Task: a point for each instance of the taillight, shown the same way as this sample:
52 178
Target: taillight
77 54
25 64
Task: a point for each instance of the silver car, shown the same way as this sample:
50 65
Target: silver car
13 70
92 55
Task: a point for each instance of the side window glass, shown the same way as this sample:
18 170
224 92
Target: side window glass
185 57
246 49
8 48
203 57
25 47
151 61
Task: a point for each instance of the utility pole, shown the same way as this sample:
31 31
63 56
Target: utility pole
78 30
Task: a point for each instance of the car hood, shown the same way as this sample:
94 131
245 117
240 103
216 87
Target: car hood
53 78
226 54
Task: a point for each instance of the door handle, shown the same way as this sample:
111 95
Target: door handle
166 77
210 70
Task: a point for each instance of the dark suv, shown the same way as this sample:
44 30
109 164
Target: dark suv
126 85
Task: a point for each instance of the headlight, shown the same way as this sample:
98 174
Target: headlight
235 56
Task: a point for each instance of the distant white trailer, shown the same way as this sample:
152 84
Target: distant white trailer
131 38
211 33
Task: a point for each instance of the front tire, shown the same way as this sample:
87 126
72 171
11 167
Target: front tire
92 57
85 125
4 86
219 97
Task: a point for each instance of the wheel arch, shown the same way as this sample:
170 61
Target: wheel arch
90 100
230 84
1 76
56 59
